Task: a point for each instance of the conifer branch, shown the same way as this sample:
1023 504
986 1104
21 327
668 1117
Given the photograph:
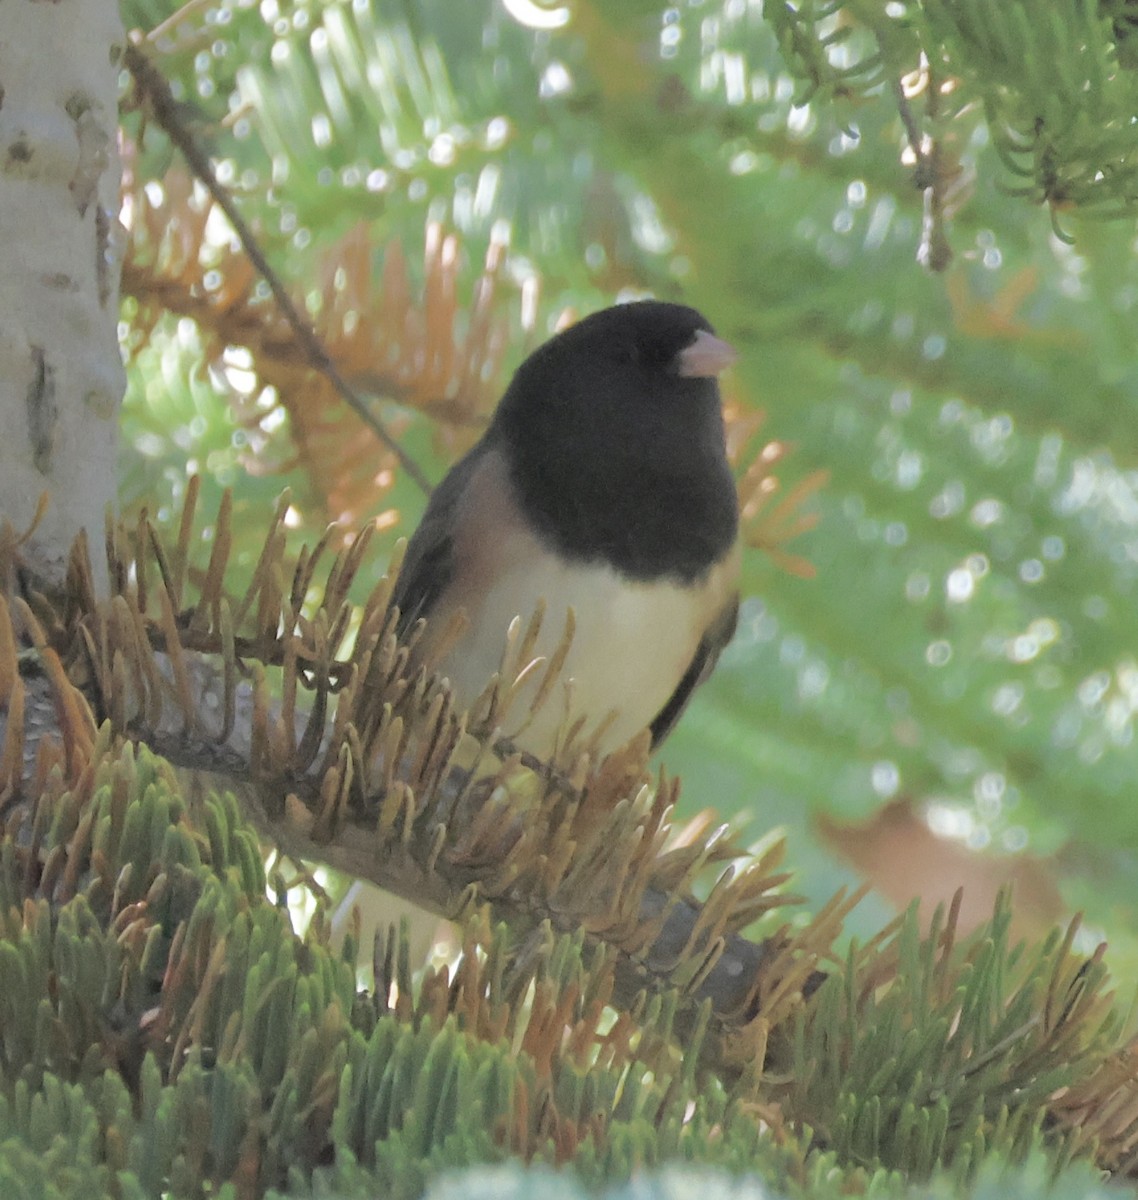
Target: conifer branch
919 1050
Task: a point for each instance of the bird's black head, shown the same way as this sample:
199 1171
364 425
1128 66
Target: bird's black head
614 433
624 362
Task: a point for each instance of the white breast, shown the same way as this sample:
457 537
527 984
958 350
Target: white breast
631 646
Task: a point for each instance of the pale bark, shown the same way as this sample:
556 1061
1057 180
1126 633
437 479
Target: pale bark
61 377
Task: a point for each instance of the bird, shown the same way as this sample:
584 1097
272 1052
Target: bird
601 484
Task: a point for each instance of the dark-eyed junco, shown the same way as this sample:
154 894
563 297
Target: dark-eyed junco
601 484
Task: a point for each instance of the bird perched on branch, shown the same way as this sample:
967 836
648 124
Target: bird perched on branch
601 485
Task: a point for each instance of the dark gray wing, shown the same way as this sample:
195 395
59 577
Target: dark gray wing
428 565
718 634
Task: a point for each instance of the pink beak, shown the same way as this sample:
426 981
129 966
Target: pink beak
706 356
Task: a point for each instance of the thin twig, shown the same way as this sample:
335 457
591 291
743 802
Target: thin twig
912 129
154 87
930 171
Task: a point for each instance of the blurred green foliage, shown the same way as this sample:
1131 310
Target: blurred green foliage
969 641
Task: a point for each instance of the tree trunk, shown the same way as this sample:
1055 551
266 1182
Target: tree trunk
61 377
